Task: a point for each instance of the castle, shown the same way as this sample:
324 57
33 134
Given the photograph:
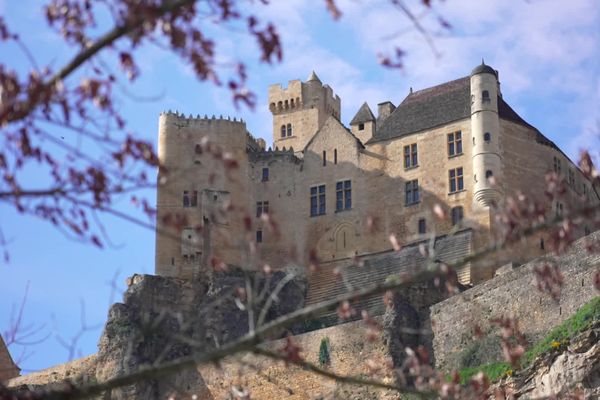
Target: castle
337 194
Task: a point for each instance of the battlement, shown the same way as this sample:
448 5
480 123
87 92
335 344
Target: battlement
302 95
190 120
270 153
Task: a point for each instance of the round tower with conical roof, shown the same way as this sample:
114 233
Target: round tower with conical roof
485 131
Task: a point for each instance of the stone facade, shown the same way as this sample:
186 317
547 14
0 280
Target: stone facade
338 193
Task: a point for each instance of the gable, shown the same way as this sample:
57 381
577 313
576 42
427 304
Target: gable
332 134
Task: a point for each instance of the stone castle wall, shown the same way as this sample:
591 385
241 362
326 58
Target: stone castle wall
514 294
326 153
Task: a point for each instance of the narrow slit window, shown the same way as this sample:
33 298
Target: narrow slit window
289 130
422 226
335 156
282 131
324 158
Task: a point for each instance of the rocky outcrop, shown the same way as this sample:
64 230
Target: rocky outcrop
162 320
8 369
574 368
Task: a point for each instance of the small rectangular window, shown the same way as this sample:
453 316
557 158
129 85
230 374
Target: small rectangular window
557 166
485 96
186 198
455 144
422 226
262 207
265 174
259 236
457 215
317 200
194 200
361 127
411 192
343 195
411 158
455 177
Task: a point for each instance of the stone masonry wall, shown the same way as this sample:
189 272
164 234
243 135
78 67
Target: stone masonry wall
511 294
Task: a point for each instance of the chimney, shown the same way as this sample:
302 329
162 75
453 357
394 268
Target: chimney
384 110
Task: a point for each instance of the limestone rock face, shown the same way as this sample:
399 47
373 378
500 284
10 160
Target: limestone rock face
157 312
143 331
578 367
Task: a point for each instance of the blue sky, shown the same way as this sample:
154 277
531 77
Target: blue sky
547 53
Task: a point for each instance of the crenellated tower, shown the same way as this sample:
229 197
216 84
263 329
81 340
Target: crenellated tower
196 190
485 131
300 110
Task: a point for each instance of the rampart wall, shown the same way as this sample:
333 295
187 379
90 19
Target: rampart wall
512 294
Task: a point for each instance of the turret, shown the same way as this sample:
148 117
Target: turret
300 110
363 124
485 130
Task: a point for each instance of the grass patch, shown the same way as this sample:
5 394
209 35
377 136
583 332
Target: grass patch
563 333
560 336
494 371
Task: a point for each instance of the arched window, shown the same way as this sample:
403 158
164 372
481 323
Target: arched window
287 105
292 103
289 129
485 96
279 105
488 174
272 106
457 215
283 131
487 137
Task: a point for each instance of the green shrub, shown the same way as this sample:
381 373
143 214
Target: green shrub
324 352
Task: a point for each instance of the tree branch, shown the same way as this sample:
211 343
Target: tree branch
26 107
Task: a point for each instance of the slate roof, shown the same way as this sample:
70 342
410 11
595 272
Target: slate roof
364 114
324 285
440 105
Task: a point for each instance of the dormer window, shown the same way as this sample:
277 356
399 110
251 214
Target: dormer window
361 127
485 96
